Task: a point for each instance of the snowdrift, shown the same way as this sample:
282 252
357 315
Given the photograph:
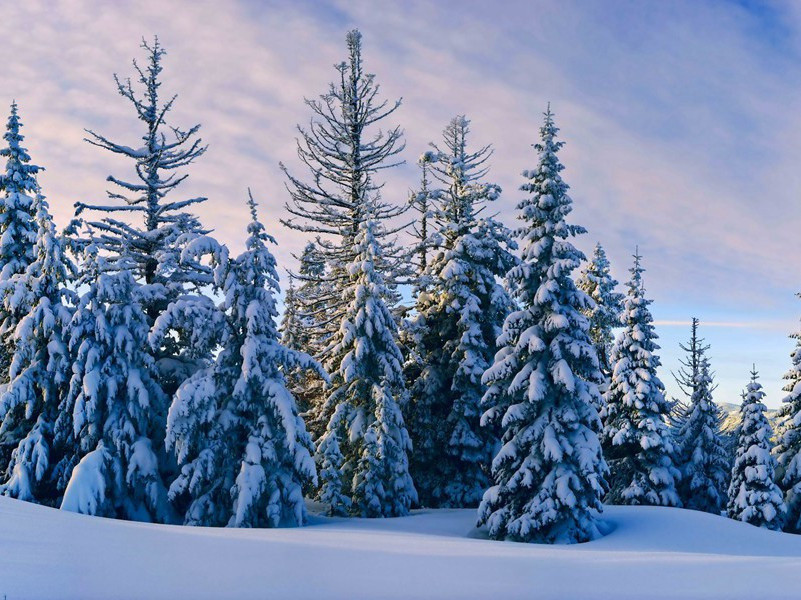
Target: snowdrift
648 553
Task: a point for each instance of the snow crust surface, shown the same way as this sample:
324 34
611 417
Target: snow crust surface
648 552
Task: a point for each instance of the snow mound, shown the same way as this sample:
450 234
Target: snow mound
648 553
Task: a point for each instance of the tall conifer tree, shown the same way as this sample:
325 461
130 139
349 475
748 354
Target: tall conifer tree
543 386
460 313
702 456
754 496
363 450
32 409
117 405
234 427
636 438
17 228
363 454
788 446
344 151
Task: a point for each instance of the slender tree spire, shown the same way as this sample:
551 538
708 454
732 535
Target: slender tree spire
422 201
690 367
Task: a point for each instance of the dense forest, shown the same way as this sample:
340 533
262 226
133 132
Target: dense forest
147 375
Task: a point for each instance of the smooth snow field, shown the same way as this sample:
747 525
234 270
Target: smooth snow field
648 553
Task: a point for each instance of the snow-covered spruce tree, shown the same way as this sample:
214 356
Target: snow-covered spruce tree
701 456
117 405
17 227
636 439
788 445
363 458
305 329
543 386
234 427
344 150
754 496
153 245
30 408
596 281
459 318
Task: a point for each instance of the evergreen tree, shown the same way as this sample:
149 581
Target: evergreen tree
30 407
344 151
363 453
291 328
243 449
702 457
549 473
754 496
117 406
17 227
151 248
411 328
636 440
460 313
305 330
687 375
596 281
788 445
310 298
423 203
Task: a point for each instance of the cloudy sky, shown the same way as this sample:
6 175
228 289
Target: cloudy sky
681 119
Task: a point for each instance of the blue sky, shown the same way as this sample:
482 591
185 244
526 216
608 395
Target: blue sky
681 121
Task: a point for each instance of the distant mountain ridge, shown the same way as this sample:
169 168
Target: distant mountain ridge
732 416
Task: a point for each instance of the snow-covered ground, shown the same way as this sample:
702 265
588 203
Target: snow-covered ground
648 553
